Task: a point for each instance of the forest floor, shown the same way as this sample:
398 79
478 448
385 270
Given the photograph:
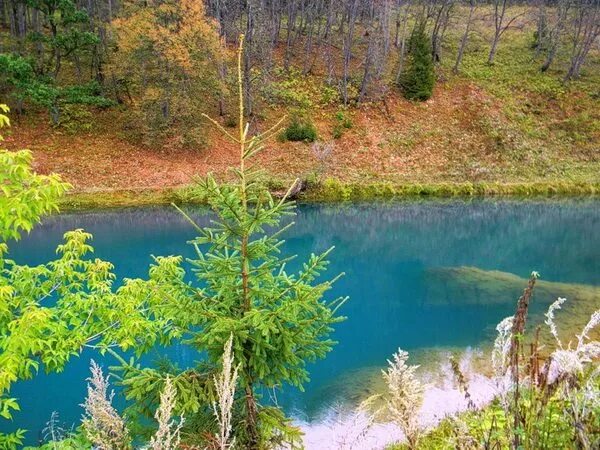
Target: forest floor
502 124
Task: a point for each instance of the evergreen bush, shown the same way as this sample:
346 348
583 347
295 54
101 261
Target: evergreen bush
342 123
278 321
300 130
418 78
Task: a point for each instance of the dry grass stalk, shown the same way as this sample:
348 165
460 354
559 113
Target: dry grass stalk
101 422
518 327
515 352
462 382
225 385
533 369
54 432
167 437
350 432
405 396
582 403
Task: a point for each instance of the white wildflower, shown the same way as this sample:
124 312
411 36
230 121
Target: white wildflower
593 323
550 318
568 361
225 386
591 393
502 378
167 437
581 405
405 396
502 346
101 422
564 362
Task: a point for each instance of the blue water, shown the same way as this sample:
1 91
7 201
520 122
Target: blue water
387 252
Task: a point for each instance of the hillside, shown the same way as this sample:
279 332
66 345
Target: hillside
501 123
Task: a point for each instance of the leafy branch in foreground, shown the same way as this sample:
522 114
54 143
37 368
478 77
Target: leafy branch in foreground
50 312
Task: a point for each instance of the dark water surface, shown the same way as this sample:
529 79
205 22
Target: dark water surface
390 253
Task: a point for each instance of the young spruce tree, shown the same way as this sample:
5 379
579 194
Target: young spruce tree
278 320
418 78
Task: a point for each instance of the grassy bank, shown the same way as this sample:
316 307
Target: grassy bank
332 190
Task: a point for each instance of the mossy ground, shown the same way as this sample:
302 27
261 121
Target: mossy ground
332 190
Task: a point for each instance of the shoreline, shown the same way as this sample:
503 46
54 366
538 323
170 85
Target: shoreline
356 427
332 190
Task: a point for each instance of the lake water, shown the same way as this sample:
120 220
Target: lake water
411 274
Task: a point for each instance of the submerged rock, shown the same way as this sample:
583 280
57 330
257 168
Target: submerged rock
471 285
468 286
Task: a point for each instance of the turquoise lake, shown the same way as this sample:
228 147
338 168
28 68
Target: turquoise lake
401 261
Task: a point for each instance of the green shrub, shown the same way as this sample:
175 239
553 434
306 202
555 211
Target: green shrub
343 119
293 89
75 441
418 78
300 130
75 118
312 179
329 95
230 122
337 132
342 122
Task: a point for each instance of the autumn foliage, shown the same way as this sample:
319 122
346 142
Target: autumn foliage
166 58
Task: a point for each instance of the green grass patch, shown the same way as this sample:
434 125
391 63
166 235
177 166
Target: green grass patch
333 190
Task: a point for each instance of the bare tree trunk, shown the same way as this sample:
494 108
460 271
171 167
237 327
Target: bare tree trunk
554 35
440 23
501 24
252 420
39 47
348 41
309 58
465 36
587 30
402 52
541 28
3 21
444 28
370 27
329 43
291 20
499 13
222 79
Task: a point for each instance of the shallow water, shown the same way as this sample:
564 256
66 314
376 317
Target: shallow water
392 254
